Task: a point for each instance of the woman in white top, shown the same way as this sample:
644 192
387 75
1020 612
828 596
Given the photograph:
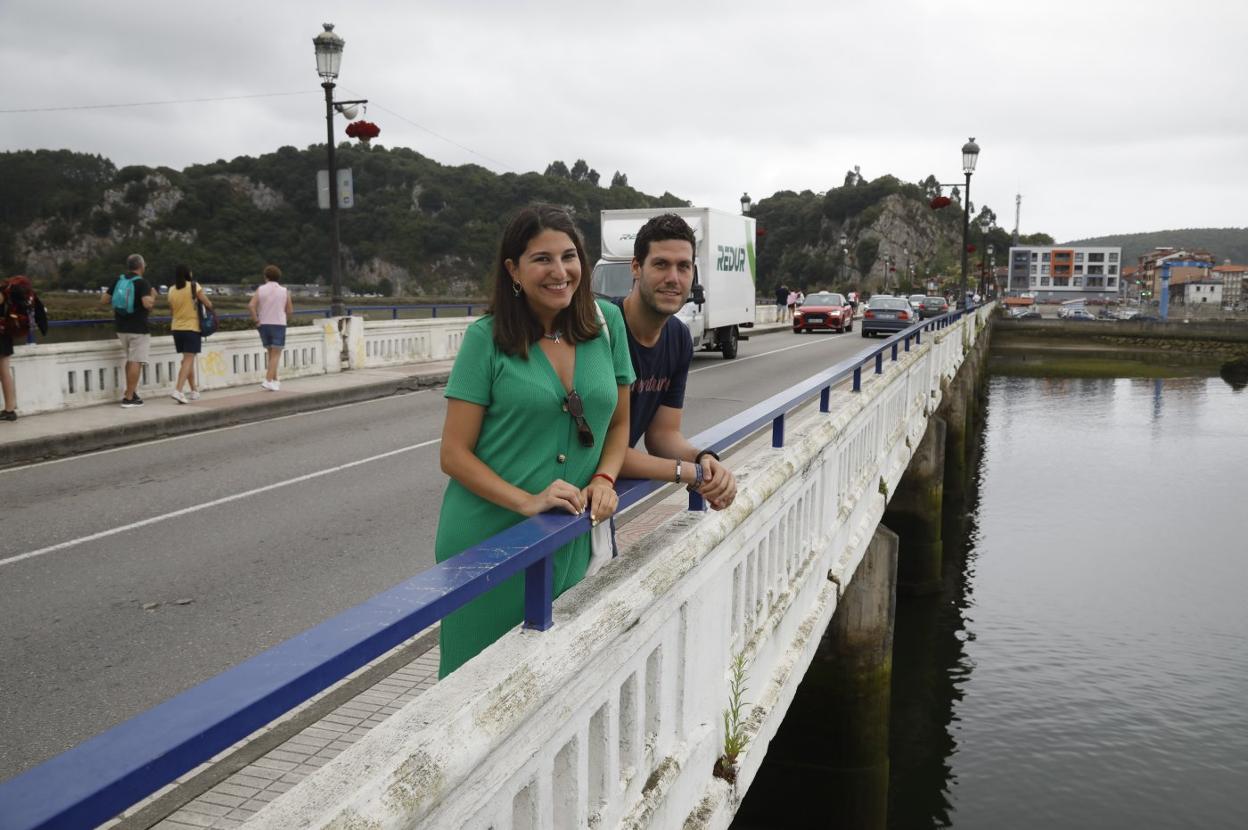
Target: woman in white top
269 307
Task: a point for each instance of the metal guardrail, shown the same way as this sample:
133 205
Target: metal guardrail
394 310
103 776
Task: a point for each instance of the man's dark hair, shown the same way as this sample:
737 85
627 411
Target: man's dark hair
660 229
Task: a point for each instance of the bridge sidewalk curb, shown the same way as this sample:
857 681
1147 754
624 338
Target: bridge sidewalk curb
289 401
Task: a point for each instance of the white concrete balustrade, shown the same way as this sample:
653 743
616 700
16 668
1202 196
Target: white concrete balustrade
68 375
614 717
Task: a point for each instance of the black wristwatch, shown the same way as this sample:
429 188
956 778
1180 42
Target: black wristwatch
698 458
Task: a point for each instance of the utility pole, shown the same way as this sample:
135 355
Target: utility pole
1018 210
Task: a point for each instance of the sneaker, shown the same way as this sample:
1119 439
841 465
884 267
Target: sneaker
178 396
193 395
267 385
127 403
275 385
8 415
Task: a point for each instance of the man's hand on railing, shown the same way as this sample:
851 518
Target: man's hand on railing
719 488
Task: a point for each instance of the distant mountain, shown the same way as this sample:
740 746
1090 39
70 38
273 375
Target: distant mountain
1223 243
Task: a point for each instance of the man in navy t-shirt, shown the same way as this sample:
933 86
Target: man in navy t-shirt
661 350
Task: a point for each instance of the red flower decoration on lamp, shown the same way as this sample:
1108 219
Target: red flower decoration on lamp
940 202
365 131
970 247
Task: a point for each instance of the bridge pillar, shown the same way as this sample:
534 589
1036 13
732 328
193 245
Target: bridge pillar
829 761
914 514
956 411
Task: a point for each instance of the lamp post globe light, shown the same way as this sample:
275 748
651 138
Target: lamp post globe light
992 275
970 154
328 58
845 261
746 201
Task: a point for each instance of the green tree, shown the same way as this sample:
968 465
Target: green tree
580 170
559 169
865 254
619 180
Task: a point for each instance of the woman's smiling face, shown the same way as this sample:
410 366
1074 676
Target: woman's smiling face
548 272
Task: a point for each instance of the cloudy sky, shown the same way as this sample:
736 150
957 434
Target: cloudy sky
1107 115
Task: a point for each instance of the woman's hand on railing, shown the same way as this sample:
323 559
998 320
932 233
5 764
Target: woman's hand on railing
558 496
601 499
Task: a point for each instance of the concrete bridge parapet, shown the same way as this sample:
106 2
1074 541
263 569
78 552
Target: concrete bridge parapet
614 717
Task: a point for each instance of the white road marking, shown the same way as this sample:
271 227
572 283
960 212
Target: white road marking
216 502
739 360
204 432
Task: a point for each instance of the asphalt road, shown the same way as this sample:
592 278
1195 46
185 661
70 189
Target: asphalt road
129 575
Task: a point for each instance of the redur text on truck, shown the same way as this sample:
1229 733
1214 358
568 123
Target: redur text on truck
722 300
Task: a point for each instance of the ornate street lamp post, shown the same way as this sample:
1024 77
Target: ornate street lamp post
970 154
746 201
845 261
328 58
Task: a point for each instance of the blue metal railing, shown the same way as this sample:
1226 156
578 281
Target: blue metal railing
394 311
104 775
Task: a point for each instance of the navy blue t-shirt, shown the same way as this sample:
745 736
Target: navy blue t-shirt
662 371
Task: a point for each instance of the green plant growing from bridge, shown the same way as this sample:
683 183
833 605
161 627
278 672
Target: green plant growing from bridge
735 738
884 488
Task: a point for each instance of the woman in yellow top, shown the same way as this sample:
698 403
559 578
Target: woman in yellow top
185 326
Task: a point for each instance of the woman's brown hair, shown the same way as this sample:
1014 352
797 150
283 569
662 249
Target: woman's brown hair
515 327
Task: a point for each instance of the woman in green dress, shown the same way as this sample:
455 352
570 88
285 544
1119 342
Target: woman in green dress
513 443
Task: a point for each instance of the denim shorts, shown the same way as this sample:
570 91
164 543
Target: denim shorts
187 342
272 336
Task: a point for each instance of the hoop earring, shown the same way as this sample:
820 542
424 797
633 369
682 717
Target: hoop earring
515 288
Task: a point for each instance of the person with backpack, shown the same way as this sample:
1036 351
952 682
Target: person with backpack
184 299
20 313
132 299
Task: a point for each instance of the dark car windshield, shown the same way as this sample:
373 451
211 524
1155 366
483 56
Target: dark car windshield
933 301
824 299
888 302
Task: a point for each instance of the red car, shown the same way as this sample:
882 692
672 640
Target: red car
824 310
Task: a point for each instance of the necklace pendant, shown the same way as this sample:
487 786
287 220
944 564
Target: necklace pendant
554 335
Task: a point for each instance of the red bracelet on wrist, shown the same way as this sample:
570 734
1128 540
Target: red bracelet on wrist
603 475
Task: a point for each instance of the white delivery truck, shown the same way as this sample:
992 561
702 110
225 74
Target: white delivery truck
722 300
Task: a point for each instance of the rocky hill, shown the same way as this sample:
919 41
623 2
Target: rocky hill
419 227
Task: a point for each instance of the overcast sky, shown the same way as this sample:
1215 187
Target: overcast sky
1107 115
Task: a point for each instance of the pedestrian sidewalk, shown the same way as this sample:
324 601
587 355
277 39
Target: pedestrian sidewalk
72 431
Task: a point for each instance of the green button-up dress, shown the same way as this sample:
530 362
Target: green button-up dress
529 439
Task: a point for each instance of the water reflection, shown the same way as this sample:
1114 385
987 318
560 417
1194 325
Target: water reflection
1085 664
1235 373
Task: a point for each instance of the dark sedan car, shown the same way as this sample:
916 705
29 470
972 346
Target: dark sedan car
933 307
887 315
824 310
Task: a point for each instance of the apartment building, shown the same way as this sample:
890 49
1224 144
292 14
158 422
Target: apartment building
1232 278
1151 264
1060 273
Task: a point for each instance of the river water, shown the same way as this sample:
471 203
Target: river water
1087 665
